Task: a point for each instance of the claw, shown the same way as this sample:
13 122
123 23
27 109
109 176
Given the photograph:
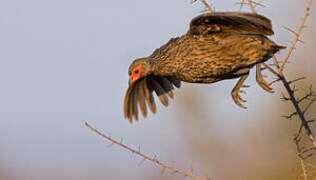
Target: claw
243 92
237 99
235 92
260 80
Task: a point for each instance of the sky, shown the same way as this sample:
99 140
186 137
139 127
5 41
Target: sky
64 63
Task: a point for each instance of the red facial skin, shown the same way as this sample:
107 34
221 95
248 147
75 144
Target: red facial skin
136 72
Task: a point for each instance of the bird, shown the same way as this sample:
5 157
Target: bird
217 46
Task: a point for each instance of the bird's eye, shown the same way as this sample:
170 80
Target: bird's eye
136 71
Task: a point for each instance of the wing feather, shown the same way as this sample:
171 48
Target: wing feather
140 94
149 97
134 102
161 93
166 85
241 22
141 99
176 82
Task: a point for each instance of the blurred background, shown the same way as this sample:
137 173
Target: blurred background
64 62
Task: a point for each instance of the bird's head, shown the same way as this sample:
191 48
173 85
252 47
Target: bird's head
138 69
142 84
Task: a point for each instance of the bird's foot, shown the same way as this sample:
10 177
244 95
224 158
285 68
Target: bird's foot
235 92
260 80
237 98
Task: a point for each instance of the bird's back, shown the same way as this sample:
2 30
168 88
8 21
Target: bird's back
205 58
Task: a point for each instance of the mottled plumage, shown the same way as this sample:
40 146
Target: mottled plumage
217 46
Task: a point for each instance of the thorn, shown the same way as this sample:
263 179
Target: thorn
174 172
141 162
154 158
284 97
291 115
110 145
294 89
298 79
292 31
243 92
274 81
163 170
312 120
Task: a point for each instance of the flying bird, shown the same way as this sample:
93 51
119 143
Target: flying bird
217 46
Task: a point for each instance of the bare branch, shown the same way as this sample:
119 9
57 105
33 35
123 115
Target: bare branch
207 6
284 98
295 80
297 36
274 81
252 4
252 7
298 110
291 115
270 69
153 160
309 105
298 152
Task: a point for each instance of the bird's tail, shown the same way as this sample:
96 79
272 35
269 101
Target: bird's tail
278 47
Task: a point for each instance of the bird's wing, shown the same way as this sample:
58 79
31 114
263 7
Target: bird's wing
140 93
249 23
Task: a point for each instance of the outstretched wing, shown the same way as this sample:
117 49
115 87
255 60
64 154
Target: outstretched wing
240 22
140 94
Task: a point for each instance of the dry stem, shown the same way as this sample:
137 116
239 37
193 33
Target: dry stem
297 36
280 75
208 7
153 160
280 69
299 151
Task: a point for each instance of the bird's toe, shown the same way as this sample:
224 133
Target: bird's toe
238 99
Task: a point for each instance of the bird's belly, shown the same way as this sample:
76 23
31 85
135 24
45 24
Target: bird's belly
192 77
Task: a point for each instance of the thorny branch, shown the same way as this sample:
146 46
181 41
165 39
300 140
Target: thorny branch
297 36
207 6
153 159
280 66
298 109
311 96
299 151
280 75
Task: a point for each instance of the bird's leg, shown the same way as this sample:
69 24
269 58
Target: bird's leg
235 92
262 83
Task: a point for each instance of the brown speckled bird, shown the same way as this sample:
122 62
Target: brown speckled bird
217 46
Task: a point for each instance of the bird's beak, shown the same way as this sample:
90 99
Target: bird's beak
131 80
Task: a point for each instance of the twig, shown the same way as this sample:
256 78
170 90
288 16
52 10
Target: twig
153 160
276 62
308 96
297 36
295 80
286 83
252 7
208 7
270 69
299 156
300 113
